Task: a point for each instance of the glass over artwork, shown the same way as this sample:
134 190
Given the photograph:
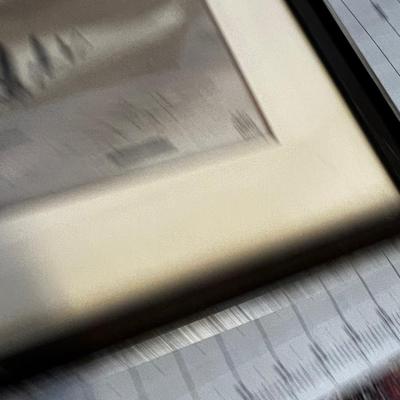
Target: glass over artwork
86 97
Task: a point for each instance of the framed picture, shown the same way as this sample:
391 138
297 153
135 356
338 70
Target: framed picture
162 155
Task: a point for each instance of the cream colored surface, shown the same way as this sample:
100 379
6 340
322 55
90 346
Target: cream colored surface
70 258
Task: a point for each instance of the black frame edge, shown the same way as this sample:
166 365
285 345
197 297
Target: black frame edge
367 102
